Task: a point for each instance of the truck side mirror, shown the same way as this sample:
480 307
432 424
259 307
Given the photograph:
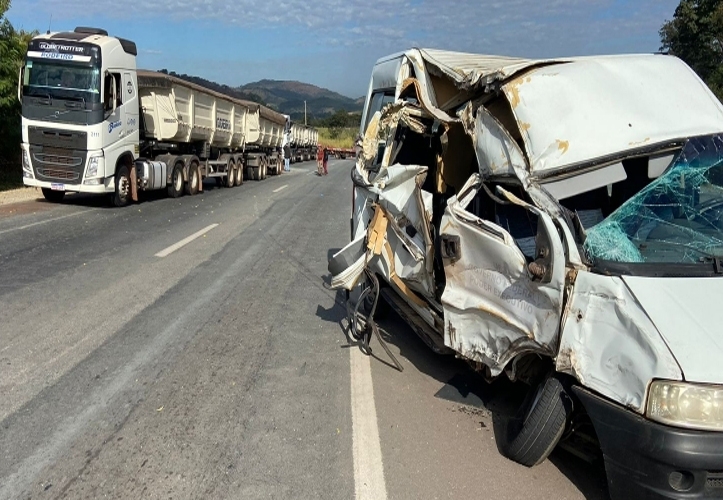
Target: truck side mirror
21 73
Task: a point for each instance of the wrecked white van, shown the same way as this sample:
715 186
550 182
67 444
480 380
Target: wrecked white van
559 222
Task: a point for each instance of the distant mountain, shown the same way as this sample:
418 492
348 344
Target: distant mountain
284 96
222 89
288 97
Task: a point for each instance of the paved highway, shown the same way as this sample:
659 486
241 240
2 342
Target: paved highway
188 348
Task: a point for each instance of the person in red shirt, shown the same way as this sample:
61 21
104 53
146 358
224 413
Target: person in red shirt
320 160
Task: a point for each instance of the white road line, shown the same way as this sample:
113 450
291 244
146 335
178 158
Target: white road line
185 241
280 189
45 221
366 447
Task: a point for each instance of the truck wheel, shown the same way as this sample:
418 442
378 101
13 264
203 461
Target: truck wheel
194 177
231 175
531 435
255 173
239 174
122 194
264 169
53 196
175 188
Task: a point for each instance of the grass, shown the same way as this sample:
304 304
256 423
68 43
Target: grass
338 137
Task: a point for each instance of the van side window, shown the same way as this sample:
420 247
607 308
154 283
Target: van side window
377 102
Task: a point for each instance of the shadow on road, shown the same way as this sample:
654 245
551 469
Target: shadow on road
500 398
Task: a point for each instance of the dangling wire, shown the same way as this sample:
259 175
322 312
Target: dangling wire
362 328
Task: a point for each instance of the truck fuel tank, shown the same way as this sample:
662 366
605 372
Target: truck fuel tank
151 174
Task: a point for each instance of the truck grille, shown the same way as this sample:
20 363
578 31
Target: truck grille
53 173
54 159
714 480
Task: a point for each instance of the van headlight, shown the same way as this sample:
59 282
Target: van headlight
687 405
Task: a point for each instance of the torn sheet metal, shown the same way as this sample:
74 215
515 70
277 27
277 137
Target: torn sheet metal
493 308
609 344
497 152
477 70
560 108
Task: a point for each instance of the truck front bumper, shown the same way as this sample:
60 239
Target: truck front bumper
647 460
106 186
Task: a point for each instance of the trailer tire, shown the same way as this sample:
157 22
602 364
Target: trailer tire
529 437
263 168
53 196
175 188
122 193
194 178
231 175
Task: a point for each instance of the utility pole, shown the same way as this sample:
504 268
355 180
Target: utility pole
304 112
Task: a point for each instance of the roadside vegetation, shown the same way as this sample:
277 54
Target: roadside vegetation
13 44
338 137
339 129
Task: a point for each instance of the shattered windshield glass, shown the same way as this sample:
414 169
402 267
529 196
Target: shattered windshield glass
677 218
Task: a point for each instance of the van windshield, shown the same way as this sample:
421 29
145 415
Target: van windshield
677 218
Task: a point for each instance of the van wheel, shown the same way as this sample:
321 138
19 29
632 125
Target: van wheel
53 196
194 178
122 187
175 188
531 435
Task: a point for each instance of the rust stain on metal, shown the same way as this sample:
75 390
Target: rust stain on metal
513 90
563 146
639 143
524 126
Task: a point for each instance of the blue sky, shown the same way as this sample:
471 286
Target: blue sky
334 43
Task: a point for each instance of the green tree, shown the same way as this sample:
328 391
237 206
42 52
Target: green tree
695 34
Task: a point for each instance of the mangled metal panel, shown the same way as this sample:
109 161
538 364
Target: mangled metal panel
494 308
596 107
476 70
609 344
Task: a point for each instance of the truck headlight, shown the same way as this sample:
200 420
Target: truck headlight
92 170
682 404
27 167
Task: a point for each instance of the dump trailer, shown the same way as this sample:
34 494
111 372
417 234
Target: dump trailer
93 123
303 141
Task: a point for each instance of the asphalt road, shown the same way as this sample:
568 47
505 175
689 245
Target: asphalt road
132 367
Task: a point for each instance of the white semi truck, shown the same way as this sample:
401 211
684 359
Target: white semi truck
93 123
303 141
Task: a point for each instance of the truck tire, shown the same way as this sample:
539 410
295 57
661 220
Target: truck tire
231 175
122 193
255 173
175 188
194 179
53 196
531 435
239 173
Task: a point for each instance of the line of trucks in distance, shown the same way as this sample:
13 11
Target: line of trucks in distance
93 123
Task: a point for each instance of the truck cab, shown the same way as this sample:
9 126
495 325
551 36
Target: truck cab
80 113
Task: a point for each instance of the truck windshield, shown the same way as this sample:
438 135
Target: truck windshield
677 218
56 80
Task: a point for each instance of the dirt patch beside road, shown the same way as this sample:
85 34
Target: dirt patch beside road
20 194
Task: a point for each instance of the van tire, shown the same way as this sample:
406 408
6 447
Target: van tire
529 437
